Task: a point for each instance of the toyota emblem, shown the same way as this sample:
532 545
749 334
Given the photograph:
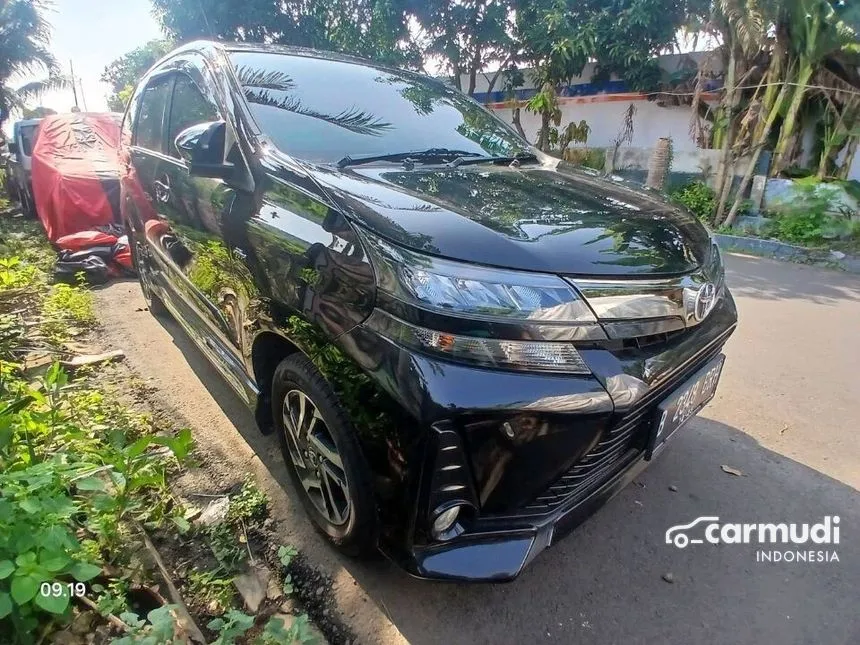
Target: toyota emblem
705 300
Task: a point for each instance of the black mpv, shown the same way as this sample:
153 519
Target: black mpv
465 346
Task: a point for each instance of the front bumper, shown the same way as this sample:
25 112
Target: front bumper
572 444
498 550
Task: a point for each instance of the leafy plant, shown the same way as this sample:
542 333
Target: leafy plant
594 158
159 628
698 198
211 586
249 504
229 628
809 217
286 555
225 547
112 599
275 633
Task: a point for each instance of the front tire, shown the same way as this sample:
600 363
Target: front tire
323 456
155 304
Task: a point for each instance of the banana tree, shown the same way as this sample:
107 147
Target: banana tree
743 26
816 32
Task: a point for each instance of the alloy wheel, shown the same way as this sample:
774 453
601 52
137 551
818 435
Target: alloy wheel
141 267
316 458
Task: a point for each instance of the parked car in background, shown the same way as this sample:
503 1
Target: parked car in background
19 184
464 346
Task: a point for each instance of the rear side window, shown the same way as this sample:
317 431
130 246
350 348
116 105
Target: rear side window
149 132
189 108
28 136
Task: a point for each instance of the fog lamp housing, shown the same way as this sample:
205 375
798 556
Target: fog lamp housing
444 526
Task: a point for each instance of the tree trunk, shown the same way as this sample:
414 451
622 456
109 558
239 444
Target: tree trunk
543 136
759 144
515 119
782 153
658 165
728 112
473 74
609 159
725 190
850 154
457 73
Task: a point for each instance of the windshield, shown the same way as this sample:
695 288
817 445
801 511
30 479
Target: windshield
323 110
28 134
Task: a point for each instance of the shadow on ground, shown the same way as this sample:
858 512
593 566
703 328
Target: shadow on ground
773 280
603 583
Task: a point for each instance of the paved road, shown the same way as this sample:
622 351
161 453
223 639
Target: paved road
787 416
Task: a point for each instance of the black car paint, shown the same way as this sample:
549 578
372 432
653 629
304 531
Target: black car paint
526 218
272 261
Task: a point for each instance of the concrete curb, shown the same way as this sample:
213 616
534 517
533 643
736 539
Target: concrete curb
786 252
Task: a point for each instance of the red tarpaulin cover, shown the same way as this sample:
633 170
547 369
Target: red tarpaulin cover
76 172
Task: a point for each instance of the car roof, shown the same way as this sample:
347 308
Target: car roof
211 46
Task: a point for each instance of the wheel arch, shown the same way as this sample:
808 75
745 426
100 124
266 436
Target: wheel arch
268 349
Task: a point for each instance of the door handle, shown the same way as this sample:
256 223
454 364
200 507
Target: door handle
162 189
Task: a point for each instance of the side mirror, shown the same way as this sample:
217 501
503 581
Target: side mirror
13 148
203 148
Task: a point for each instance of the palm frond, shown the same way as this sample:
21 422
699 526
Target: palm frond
268 80
34 89
352 119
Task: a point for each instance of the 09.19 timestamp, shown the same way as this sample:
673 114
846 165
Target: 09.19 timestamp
57 589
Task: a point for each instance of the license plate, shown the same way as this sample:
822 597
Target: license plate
684 403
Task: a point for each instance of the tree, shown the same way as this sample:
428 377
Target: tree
124 73
817 31
623 37
468 35
373 28
24 36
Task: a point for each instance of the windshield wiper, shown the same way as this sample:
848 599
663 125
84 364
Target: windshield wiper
430 153
516 159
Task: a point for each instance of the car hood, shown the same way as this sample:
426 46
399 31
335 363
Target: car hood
533 218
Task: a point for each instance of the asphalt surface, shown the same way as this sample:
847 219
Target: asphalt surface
786 416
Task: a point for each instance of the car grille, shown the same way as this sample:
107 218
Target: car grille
624 442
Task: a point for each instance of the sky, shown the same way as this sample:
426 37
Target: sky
92 34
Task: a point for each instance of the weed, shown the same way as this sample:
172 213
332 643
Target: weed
65 305
225 547
159 628
211 587
249 504
14 274
77 477
286 555
112 599
274 633
233 625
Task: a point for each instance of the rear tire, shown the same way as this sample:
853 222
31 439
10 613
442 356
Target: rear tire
28 207
320 446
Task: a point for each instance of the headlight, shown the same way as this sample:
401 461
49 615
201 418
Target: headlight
513 300
475 292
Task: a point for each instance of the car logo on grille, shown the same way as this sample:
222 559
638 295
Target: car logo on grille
705 300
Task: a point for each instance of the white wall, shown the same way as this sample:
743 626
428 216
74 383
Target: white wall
607 118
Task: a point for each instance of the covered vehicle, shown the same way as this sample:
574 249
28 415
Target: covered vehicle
76 172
